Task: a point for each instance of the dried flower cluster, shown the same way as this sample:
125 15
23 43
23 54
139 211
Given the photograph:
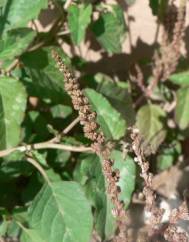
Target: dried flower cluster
166 61
91 131
170 232
156 213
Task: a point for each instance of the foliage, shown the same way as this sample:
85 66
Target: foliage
52 186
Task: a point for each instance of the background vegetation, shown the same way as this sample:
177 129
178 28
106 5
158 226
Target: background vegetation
52 176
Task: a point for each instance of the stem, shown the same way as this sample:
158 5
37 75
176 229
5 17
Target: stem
12 65
67 4
65 131
37 46
39 168
50 144
45 145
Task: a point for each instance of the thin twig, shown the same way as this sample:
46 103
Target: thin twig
45 145
35 47
65 32
65 131
12 65
129 30
71 125
67 4
50 144
35 26
39 168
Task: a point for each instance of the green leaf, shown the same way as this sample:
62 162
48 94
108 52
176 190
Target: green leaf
182 110
53 176
39 158
159 7
59 158
18 13
33 186
111 122
30 235
13 229
35 124
168 156
118 95
60 212
154 4
12 108
3 227
181 78
150 121
79 18
15 42
14 165
89 173
127 168
110 29
45 80
61 111
2 3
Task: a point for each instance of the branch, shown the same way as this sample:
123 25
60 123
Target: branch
67 4
39 168
45 145
12 66
65 131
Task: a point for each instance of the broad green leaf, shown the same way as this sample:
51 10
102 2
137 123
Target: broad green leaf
60 212
182 108
12 108
150 121
110 29
53 176
118 95
18 13
45 80
15 42
111 122
127 168
89 173
181 78
79 17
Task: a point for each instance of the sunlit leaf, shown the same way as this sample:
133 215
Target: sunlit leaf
60 212
12 108
110 120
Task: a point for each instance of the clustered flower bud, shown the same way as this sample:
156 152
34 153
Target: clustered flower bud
166 61
81 104
170 232
150 196
91 131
